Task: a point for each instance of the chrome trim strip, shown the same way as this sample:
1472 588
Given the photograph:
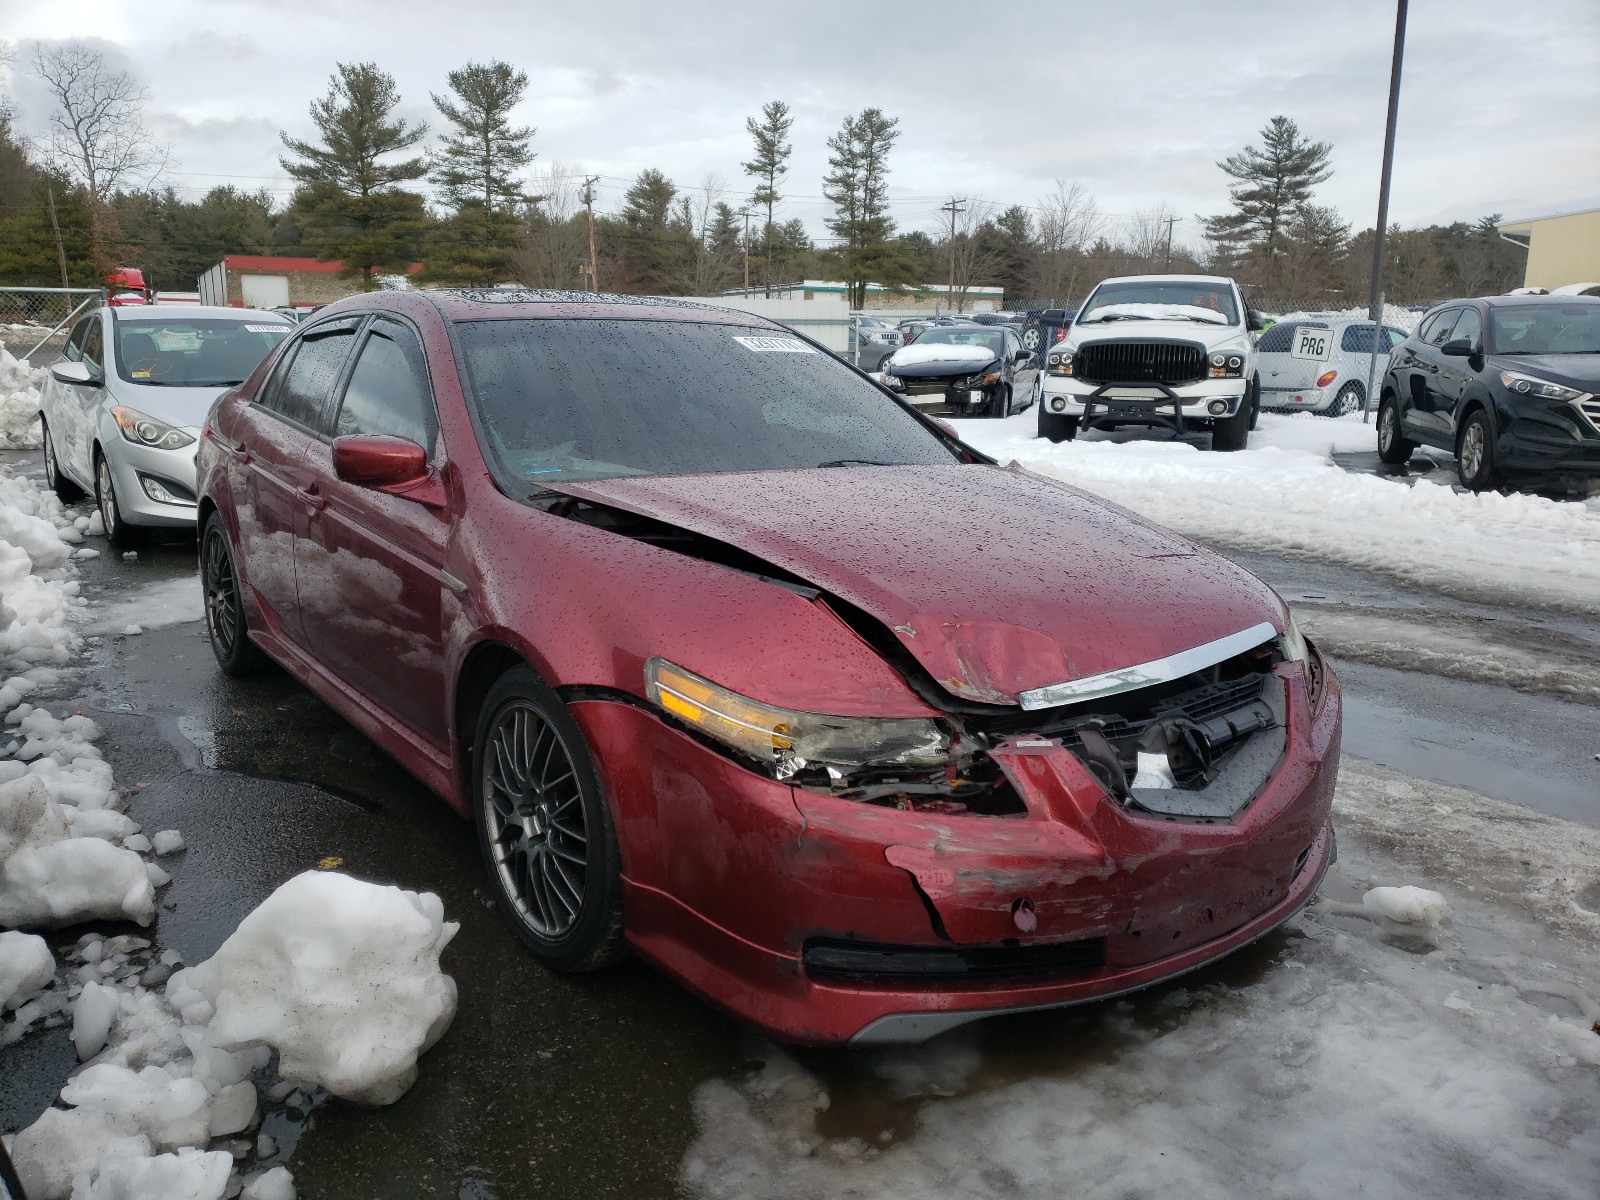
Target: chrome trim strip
451 582
1161 670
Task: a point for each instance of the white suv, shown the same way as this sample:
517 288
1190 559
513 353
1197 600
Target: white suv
1166 351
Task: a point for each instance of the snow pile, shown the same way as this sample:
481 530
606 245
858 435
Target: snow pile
945 354
340 977
1155 312
19 401
1290 497
1337 1060
1409 905
1393 314
26 968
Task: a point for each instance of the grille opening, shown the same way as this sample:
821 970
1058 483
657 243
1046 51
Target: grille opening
1140 362
837 958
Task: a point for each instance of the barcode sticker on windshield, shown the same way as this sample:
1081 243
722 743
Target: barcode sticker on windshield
775 345
267 328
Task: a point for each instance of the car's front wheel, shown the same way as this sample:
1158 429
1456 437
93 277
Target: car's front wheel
1233 433
1056 427
545 828
63 487
1393 448
223 595
118 532
1475 463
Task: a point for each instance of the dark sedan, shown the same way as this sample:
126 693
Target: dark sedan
965 371
1508 384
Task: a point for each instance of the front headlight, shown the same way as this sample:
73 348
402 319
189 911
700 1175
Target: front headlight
147 431
787 741
1227 364
1058 363
1531 385
1296 648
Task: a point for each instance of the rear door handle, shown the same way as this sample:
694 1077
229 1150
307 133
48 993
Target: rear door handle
240 454
313 496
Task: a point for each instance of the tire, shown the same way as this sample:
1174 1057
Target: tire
558 884
64 488
1475 465
1000 406
1233 433
1347 401
1056 427
1393 448
1253 397
236 654
118 532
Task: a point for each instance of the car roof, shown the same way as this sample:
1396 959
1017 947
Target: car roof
507 304
1213 279
1506 301
209 312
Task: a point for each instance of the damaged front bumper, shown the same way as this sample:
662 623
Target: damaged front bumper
826 920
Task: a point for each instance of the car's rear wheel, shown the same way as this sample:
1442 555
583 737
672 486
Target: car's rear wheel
118 532
1475 463
1393 448
545 828
236 654
1347 401
1233 433
63 487
1056 427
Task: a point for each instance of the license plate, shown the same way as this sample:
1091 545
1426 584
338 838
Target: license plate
1311 343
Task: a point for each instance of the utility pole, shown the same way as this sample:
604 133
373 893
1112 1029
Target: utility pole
1376 298
588 203
745 213
1166 262
61 251
954 207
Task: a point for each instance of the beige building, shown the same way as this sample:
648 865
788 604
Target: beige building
1561 249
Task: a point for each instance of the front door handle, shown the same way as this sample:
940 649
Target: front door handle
313 496
240 454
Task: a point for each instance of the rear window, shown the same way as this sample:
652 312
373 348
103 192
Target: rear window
1358 339
1545 329
573 400
194 351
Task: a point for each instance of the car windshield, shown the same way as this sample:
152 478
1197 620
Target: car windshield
1213 300
977 335
576 399
1545 329
195 351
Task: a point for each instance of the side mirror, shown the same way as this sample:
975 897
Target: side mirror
387 464
1458 348
74 372
1022 355
1255 320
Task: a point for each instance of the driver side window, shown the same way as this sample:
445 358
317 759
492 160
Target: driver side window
74 348
1470 326
1438 331
94 347
388 392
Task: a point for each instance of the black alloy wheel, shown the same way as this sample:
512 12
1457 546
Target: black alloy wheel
119 533
236 654
545 828
1393 448
1475 465
64 488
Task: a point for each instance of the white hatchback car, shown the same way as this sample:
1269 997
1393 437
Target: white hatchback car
1320 364
123 406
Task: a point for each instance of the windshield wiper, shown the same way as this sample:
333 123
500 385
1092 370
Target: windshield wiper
860 462
1115 317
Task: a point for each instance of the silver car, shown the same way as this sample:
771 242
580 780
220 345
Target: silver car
123 406
1320 364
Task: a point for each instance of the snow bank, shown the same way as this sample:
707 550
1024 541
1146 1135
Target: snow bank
26 966
340 977
49 877
1339 1060
19 401
945 354
1286 495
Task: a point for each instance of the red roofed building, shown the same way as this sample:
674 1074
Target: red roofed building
270 281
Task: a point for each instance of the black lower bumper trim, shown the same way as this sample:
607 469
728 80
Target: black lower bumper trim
827 958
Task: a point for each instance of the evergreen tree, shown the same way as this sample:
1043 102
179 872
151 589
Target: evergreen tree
27 239
771 163
654 236
349 203
479 158
473 247
857 184
1274 182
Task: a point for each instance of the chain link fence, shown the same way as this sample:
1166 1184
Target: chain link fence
35 321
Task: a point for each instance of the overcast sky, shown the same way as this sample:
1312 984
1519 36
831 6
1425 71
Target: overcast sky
1136 99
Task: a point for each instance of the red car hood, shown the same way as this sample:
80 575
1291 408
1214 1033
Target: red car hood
996 580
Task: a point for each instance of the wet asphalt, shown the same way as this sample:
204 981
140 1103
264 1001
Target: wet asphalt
578 1087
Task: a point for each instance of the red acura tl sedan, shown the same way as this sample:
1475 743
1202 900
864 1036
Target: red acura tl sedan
739 662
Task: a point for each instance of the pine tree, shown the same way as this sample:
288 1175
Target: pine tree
479 158
654 235
771 163
857 184
349 203
1274 182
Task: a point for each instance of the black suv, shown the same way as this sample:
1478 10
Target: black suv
1508 384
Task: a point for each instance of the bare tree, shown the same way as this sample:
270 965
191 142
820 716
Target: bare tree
97 130
554 251
1069 221
965 255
